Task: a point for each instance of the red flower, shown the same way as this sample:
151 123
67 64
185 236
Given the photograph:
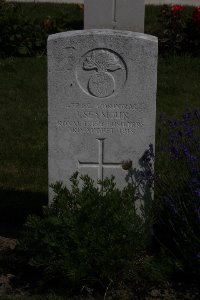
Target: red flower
196 15
176 8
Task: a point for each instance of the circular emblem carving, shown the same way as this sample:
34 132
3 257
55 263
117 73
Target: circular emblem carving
101 84
101 73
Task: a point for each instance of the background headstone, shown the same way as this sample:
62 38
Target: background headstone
102 102
114 14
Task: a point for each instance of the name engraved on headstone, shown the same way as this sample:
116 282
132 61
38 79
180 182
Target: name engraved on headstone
106 118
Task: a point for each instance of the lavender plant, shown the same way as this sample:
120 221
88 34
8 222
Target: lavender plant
178 189
142 182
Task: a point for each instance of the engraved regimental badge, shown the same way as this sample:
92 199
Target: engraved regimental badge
101 73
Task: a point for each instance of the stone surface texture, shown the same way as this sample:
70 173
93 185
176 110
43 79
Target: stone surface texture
102 102
114 14
154 2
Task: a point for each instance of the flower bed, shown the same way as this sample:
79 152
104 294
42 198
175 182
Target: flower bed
180 32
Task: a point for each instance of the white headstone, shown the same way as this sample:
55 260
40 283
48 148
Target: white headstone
102 102
114 14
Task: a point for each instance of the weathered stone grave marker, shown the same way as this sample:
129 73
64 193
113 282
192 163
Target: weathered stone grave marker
102 102
114 14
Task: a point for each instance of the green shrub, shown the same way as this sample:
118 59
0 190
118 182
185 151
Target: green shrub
88 237
18 35
23 35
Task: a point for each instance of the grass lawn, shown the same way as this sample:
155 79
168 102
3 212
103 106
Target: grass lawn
23 114
23 131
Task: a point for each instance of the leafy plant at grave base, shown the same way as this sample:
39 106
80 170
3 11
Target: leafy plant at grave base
178 190
22 36
180 31
88 238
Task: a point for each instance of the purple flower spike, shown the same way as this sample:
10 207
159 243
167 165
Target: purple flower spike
197 192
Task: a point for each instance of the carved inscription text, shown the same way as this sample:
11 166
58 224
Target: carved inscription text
87 118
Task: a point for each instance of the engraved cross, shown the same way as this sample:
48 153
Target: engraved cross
101 165
114 10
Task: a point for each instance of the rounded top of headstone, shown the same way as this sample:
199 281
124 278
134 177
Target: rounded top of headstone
104 32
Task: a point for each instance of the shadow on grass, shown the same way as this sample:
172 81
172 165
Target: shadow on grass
15 206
